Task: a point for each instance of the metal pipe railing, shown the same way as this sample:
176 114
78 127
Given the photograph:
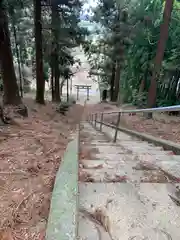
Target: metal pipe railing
94 116
147 110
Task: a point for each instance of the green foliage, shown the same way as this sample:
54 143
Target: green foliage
113 41
130 33
61 33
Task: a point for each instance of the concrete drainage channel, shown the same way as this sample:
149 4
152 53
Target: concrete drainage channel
122 193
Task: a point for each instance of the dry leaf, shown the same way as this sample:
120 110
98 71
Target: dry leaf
31 152
6 235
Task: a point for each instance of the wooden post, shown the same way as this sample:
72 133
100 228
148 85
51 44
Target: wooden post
101 122
117 125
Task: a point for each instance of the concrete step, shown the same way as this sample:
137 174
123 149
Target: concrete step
129 188
128 155
132 212
136 158
170 167
90 229
100 171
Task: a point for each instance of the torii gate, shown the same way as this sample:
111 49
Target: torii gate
87 87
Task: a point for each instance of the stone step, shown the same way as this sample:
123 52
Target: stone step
123 172
132 146
89 229
139 145
126 155
126 190
106 149
134 158
101 143
143 211
170 167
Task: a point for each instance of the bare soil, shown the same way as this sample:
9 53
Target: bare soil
30 153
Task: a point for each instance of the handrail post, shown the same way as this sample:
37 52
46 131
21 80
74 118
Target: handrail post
95 120
117 125
101 122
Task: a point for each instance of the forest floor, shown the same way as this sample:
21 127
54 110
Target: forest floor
30 153
162 125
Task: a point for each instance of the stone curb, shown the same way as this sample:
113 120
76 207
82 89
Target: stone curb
166 144
63 211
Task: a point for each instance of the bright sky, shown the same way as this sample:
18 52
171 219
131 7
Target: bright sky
90 3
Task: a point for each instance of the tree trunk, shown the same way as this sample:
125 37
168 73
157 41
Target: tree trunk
52 84
40 82
116 84
18 58
55 46
112 82
142 86
61 85
67 90
57 76
10 86
159 54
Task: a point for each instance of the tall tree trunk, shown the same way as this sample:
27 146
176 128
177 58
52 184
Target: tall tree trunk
18 58
142 86
116 83
112 82
40 82
61 86
159 54
55 45
52 84
11 91
67 90
57 88
22 64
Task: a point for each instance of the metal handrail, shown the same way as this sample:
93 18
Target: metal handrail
146 110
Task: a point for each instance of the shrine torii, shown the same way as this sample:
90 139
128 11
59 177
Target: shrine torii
87 87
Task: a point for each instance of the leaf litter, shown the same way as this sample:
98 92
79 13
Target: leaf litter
30 154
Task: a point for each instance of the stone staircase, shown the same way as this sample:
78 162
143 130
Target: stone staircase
128 190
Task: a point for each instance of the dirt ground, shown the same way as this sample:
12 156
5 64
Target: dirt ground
30 153
162 125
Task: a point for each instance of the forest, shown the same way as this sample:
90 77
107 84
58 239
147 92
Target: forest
133 51
40 34
136 54
37 35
